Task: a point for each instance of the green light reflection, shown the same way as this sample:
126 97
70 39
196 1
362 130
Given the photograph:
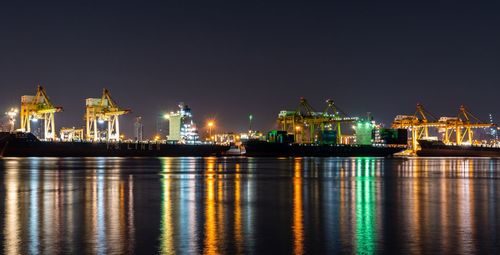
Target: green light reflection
365 206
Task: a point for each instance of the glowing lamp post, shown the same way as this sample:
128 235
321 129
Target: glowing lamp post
297 133
210 125
250 118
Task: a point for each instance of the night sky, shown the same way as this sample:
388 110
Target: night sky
229 59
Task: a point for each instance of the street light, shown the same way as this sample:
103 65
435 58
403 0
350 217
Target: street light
210 125
297 133
250 118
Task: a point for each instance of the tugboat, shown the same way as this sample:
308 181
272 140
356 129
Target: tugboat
431 148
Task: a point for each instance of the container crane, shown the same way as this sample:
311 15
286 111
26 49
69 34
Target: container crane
100 110
294 121
335 117
418 124
39 107
305 122
462 126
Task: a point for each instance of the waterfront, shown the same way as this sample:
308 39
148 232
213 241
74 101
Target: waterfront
249 205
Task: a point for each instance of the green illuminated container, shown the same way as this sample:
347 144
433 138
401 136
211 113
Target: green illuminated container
276 136
364 133
329 137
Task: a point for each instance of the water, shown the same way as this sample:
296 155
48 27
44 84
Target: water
249 205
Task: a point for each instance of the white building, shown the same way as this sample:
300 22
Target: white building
181 126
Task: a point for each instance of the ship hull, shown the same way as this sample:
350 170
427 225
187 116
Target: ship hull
17 145
438 149
265 149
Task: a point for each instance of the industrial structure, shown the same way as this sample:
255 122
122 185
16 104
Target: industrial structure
39 107
311 126
457 130
71 134
11 120
100 111
492 131
138 129
181 125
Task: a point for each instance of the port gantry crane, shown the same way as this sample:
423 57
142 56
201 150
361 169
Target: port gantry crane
462 127
39 107
100 110
305 122
419 124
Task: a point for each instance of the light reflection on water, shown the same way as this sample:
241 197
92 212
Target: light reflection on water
249 205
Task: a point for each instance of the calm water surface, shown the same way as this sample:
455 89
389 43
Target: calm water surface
249 205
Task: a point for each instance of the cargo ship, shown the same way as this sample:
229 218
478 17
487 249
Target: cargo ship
433 148
21 144
279 143
267 149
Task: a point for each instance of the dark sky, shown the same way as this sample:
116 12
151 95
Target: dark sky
229 59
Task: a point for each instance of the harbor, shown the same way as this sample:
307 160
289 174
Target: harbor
249 127
301 132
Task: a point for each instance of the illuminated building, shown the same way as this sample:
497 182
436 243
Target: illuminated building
181 126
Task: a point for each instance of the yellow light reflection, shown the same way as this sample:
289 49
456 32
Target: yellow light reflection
298 224
11 230
220 213
210 246
237 210
166 237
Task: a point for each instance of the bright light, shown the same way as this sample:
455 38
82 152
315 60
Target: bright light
157 137
166 116
101 121
12 117
210 124
12 112
297 128
34 120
